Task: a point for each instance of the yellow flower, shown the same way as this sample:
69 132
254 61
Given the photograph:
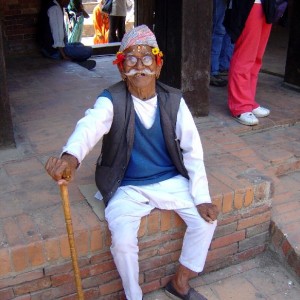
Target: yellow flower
155 51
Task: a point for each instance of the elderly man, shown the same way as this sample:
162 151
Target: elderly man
151 158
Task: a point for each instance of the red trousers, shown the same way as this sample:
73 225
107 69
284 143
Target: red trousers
246 62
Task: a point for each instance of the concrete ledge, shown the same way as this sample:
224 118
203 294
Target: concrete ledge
104 49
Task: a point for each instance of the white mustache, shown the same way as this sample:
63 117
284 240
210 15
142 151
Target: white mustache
133 72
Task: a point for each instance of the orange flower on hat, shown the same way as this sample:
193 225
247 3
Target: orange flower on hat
158 55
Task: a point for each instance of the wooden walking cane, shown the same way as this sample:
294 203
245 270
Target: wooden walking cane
68 219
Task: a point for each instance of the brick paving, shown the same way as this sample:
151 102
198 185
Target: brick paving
259 278
47 99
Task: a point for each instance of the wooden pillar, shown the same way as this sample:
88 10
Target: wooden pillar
292 69
183 31
145 12
6 127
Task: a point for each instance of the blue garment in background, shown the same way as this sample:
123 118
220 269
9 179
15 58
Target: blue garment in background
221 46
75 51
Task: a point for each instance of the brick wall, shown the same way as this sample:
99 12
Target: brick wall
43 270
19 19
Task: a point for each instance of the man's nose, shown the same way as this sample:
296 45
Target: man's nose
139 64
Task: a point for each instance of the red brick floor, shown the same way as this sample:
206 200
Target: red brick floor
47 98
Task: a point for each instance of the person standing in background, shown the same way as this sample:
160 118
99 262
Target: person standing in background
117 19
129 23
250 32
221 46
101 24
76 15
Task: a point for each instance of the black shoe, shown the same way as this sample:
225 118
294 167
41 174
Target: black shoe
216 80
223 73
88 64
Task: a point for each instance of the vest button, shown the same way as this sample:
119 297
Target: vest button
119 181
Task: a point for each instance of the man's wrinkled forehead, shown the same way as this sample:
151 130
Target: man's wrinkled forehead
138 50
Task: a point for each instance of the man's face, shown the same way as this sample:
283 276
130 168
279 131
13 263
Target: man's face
139 67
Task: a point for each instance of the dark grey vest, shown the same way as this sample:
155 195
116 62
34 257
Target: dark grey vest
117 144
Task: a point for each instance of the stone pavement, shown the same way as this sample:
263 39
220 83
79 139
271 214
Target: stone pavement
261 278
47 99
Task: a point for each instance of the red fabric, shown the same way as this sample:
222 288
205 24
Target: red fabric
246 62
101 26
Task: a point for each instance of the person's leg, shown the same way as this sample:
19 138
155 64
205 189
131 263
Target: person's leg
226 53
264 37
218 32
52 55
240 94
123 215
198 233
112 37
121 28
196 242
78 52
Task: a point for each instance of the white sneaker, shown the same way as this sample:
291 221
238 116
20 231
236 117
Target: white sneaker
247 118
261 112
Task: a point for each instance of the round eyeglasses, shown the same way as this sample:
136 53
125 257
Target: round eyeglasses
131 60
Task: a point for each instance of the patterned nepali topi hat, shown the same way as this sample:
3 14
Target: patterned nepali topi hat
140 35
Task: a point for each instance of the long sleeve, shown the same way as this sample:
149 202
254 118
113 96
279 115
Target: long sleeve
90 129
192 151
56 20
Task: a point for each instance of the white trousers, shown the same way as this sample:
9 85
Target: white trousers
124 213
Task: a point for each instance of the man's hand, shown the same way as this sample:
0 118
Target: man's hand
208 211
62 169
62 53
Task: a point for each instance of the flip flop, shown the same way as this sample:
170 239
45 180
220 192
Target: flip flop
191 295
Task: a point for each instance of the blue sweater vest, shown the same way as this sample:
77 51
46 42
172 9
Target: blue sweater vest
150 161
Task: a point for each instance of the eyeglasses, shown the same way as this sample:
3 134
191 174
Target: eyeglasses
131 60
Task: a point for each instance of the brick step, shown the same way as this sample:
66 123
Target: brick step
37 260
239 236
279 148
285 249
289 165
285 239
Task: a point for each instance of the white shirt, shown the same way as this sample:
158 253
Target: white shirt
97 122
56 20
119 8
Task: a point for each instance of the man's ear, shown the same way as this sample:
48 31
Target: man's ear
121 70
158 69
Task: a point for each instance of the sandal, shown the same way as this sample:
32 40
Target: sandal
191 295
